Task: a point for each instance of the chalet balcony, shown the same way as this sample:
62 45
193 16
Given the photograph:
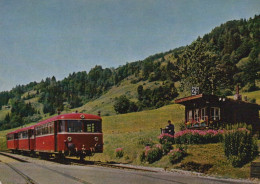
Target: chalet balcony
208 123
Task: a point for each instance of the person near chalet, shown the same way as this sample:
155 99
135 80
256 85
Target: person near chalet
170 128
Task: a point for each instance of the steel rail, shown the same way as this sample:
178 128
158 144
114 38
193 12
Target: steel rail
31 181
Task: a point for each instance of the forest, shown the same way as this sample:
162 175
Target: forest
227 56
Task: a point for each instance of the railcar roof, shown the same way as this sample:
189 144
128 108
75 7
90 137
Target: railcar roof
71 116
22 129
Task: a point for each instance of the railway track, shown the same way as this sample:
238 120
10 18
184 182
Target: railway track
28 179
18 171
67 161
71 161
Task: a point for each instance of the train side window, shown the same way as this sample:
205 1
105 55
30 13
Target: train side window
10 137
62 126
51 128
31 134
39 130
46 129
25 134
42 130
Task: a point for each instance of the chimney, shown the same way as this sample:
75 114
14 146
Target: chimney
237 96
237 90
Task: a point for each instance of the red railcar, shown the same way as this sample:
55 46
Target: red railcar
26 138
67 134
21 139
12 141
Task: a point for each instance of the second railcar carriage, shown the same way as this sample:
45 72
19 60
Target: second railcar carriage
70 134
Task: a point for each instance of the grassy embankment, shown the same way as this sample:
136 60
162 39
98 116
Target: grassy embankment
128 130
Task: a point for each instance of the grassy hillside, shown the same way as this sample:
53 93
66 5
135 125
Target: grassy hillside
253 95
105 102
3 113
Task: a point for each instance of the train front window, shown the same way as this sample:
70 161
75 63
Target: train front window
92 126
74 126
80 126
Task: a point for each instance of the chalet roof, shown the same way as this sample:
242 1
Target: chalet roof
196 97
188 98
215 98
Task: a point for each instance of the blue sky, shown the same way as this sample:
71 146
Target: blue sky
40 39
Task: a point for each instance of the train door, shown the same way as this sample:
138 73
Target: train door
29 138
56 129
16 142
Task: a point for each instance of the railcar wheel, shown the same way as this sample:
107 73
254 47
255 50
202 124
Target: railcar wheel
44 156
82 157
32 154
60 157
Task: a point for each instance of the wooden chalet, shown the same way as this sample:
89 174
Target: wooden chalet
211 111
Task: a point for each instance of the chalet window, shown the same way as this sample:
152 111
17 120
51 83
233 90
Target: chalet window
215 113
189 115
203 114
196 115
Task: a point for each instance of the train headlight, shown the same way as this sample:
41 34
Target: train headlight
96 138
69 139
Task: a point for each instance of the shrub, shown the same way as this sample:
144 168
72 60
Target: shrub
146 142
152 154
166 148
177 154
123 105
198 136
166 138
182 127
119 152
240 146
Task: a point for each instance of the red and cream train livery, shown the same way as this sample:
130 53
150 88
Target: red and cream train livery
67 134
